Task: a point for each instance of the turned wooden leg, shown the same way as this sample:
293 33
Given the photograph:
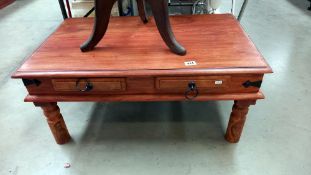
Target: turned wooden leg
102 16
142 10
160 13
237 120
55 121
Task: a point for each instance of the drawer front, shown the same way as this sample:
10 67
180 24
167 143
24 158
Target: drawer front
91 85
181 83
209 84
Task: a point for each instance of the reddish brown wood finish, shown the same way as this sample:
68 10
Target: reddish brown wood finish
98 85
237 120
202 83
138 73
216 42
144 85
4 3
55 121
123 68
141 97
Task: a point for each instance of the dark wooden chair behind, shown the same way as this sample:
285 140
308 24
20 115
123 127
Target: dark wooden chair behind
160 12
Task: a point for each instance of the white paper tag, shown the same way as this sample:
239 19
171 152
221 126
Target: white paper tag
190 63
218 82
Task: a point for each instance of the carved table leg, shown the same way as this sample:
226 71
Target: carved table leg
142 10
237 120
55 121
160 12
102 15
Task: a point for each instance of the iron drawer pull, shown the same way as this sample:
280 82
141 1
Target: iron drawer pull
88 85
192 88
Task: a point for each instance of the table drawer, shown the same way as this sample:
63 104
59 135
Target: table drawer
209 84
89 85
181 83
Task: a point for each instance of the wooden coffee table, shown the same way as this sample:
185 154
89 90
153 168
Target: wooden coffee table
133 64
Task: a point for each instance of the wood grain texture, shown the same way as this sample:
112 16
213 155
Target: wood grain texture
202 82
141 97
98 84
138 73
237 120
145 85
56 122
144 69
216 42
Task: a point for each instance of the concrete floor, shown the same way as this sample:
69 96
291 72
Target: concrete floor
163 138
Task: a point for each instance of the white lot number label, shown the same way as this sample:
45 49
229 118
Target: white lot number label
218 82
190 63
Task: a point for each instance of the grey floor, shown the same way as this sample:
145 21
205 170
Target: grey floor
163 138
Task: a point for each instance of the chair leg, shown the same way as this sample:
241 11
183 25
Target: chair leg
68 9
102 15
160 13
63 9
142 10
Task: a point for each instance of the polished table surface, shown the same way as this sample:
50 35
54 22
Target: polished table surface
132 63
216 42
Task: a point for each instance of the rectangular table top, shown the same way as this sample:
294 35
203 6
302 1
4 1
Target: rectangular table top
217 43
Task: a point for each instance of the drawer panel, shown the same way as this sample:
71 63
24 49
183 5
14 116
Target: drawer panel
97 84
206 82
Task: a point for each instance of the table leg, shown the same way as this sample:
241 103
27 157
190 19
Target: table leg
237 120
55 121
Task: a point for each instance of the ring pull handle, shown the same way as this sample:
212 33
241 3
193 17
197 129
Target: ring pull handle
192 91
88 85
